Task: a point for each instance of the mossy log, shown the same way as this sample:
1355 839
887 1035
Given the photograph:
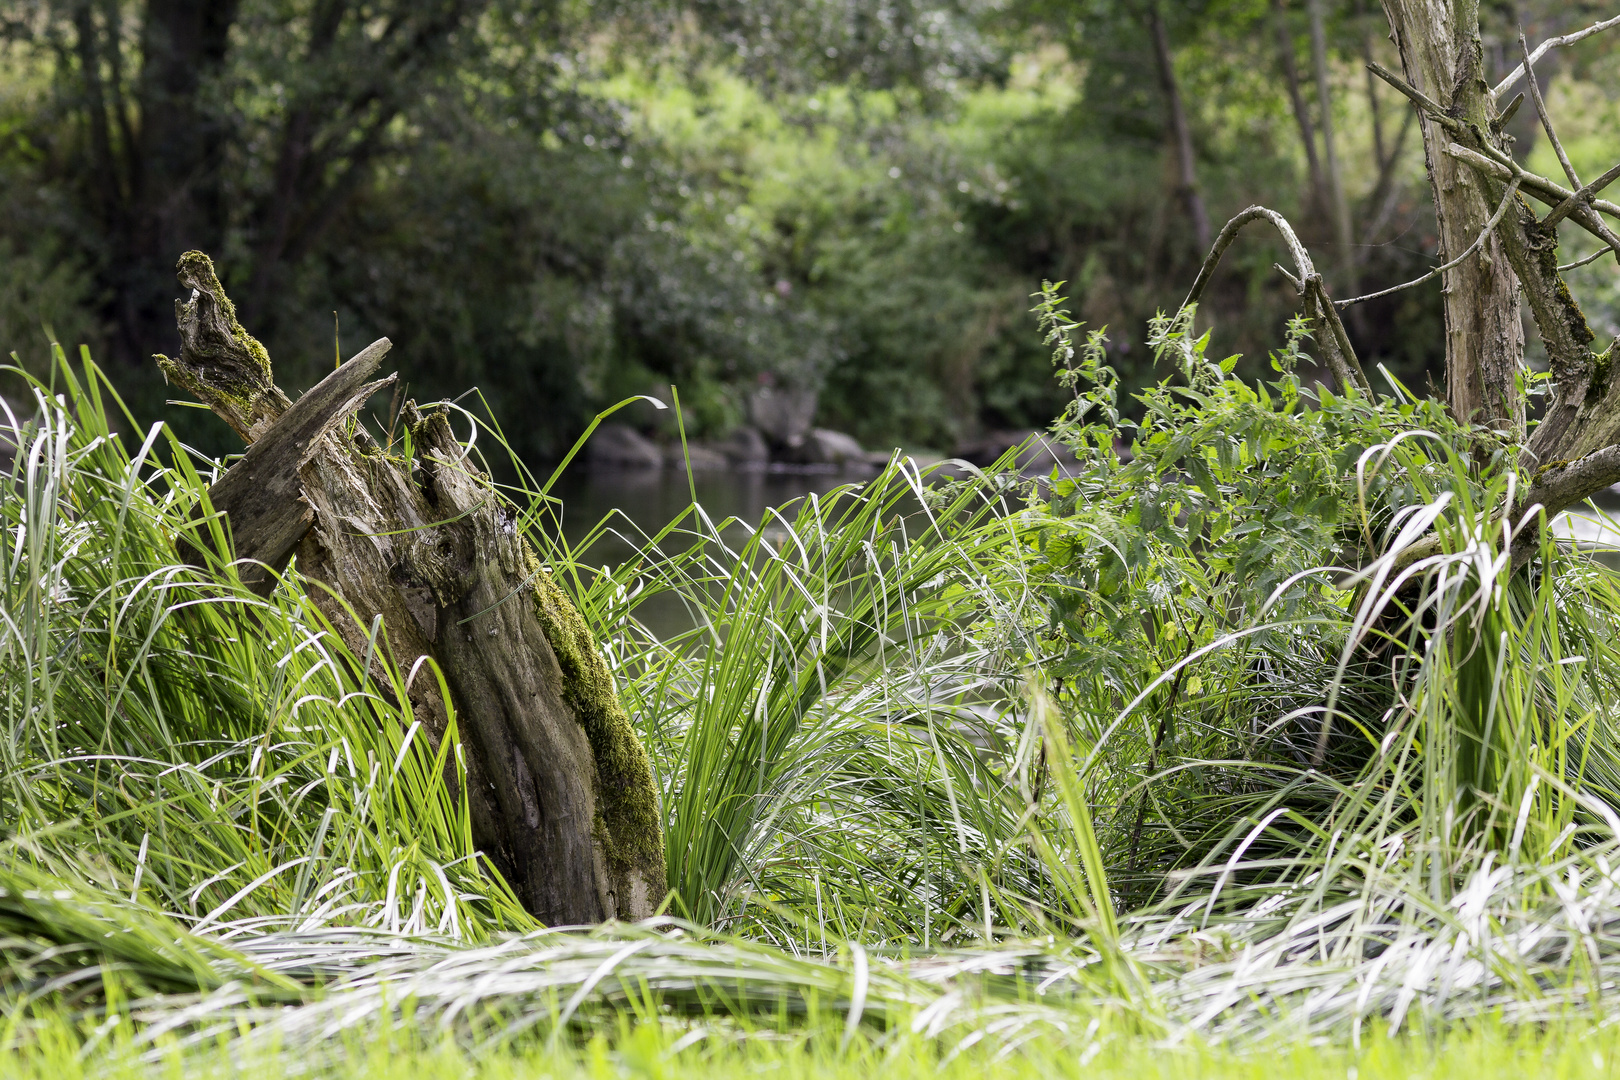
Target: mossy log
559 788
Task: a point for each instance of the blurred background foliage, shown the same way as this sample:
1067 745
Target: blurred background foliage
566 202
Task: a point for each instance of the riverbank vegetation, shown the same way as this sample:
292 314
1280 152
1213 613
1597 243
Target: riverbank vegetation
1274 720
569 204
934 762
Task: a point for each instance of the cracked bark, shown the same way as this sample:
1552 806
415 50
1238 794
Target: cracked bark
559 788
1440 50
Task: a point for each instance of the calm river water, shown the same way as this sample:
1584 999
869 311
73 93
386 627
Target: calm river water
641 503
637 504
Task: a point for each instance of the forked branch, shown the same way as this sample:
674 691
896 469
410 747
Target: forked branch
1333 342
1547 46
1583 214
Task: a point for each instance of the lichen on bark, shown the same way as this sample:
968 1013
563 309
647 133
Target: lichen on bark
226 367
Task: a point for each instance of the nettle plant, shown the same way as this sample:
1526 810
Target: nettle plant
1228 502
1253 589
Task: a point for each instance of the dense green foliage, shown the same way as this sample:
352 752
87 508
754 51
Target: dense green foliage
978 761
568 203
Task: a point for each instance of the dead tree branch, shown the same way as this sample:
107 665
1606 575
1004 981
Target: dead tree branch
1541 113
1423 101
1582 197
1547 46
1584 215
262 495
1319 309
1558 487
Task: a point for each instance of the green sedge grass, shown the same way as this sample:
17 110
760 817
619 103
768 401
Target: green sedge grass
878 808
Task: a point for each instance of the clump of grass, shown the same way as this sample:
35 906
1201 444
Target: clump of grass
901 800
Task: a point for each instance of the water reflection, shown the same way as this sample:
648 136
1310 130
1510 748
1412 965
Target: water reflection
1596 526
636 505
651 499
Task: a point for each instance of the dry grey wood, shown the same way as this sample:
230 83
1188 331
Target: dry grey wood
558 787
1552 43
1585 213
1541 113
1575 450
1443 61
1561 485
1581 198
262 495
1331 340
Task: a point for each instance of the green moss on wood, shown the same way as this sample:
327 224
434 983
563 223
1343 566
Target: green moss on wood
197 270
627 802
1602 371
220 362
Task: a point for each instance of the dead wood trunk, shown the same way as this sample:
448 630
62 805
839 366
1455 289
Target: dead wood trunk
1575 450
1440 50
559 788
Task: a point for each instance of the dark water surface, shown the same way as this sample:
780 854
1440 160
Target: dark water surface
637 504
651 499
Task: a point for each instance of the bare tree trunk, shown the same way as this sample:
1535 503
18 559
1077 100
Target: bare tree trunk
1575 449
1338 204
1379 154
1440 50
1180 131
1296 99
558 786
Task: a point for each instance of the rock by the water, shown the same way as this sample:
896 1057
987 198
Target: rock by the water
703 458
746 449
619 446
1042 453
783 416
833 448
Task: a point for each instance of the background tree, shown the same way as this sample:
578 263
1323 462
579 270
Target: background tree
565 205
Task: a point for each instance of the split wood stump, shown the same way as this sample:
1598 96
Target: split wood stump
559 788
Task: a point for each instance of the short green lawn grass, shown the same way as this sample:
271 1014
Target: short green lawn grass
659 1053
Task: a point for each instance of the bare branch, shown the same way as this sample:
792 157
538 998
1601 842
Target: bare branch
1561 485
1418 98
1490 226
1334 342
1541 111
1228 233
1503 120
1578 263
1582 197
1548 192
1552 43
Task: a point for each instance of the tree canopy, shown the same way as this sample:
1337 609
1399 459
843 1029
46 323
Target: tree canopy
566 203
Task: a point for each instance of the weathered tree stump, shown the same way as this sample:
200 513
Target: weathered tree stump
559 788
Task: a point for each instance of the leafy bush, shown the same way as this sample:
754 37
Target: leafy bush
1258 731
